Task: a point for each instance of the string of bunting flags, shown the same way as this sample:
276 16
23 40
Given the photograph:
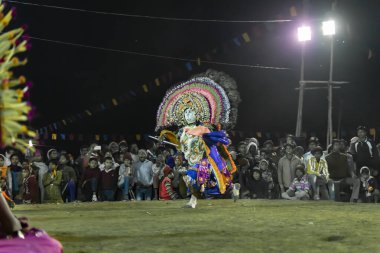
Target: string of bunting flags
235 134
246 37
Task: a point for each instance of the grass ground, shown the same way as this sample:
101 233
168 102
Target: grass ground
214 226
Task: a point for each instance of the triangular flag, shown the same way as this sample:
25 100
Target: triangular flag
71 137
97 137
258 134
145 88
157 82
54 137
372 131
237 42
63 136
199 61
189 66
138 137
114 102
88 112
246 37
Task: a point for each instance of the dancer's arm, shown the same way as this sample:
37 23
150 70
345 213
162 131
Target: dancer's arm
8 221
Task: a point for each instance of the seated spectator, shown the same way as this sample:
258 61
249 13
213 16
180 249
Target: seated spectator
143 176
267 176
166 188
90 179
69 179
30 191
318 175
300 188
52 182
258 188
369 186
108 180
342 171
125 175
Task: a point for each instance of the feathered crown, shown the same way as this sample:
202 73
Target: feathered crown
207 98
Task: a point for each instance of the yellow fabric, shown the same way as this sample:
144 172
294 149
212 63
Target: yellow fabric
4 171
317 168
171 137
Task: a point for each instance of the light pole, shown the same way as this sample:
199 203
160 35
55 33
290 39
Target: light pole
328 28
304 34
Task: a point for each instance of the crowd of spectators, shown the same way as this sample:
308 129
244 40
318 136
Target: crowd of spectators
344 171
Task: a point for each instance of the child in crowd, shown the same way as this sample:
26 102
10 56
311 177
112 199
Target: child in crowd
30 192
52 182
5 192
258 188
16 178
125 175
158 174
166 189
369 186
108 180
266 174
90 179
300 188
69 179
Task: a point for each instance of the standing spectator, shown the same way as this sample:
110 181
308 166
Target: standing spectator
16 177
123 146
108 180
30 192
5 192
300 188
364 151
318 175
41 169
69 179
143 176
125 175
5 172
299 152
258 188
134 152
181 170
370 187
90 179
166 189
286 167
52 154
52 182
341 172
158 174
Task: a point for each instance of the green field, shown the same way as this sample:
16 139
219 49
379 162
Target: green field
214 226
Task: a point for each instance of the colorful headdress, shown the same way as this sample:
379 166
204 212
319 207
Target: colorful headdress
201 94
13 110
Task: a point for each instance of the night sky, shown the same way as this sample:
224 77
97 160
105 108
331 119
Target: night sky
69 79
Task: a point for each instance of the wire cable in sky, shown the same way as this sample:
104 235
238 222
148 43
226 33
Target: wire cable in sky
155 55
146 16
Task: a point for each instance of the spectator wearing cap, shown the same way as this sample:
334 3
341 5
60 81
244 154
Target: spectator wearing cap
364 151
269 149
123 146
143 176
90 180
300 187
166 189
267 176
341 172
318 175
52 154
313 143
125 175
286 167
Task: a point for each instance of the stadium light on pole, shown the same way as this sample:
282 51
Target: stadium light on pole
304 34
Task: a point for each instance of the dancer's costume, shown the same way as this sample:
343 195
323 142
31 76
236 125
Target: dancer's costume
13 111
203 142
